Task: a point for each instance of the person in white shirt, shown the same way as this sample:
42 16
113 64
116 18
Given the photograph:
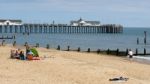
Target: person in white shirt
130 53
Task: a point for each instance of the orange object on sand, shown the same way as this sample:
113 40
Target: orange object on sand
30 57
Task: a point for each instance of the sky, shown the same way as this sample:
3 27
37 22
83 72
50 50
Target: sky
129 13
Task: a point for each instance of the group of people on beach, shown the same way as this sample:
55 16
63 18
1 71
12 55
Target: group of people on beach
19 54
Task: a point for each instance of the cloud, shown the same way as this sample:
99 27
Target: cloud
108 10
77 5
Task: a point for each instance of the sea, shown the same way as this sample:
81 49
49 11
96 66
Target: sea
122 41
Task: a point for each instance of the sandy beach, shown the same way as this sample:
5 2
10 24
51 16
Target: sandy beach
63 67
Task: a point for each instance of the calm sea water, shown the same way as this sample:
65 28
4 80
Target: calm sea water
122 41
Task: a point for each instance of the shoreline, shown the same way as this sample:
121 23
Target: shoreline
63 67
138 59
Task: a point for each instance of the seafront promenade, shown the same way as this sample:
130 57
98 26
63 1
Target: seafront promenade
63 67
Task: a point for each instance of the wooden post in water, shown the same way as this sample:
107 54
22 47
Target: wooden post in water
3 42
14 43
37 45
79 49
68 48
108 51
127 51
14 37
58 48
117 52
144 51
88 50
26 44
47 46
98 51
137 41
145 37
136 52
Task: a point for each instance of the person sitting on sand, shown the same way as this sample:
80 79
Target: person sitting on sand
13 54
31 57
17 54
22 56
27 49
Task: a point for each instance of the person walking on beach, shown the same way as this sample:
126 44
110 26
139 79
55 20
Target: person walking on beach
130 53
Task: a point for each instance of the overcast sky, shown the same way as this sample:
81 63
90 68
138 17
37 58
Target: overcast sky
131 13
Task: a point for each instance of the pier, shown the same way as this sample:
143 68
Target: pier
60 28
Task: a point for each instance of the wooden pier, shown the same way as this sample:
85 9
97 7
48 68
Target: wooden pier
60 28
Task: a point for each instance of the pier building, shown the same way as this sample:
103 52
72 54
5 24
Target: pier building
82 22
10 22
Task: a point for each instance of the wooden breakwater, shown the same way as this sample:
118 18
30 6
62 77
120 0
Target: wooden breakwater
60 28
116 52
7 37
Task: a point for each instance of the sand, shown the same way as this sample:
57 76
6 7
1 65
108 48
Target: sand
62 67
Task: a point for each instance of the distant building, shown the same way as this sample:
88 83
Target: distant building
81 22
10 22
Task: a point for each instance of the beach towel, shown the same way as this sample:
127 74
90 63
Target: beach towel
119 79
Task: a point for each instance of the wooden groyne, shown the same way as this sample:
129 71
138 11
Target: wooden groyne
60 28
116 52
7 37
